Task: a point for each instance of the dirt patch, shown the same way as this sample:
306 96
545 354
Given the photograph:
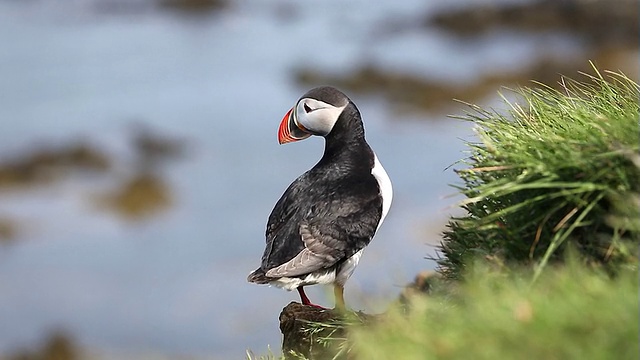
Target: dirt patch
600 22
44 165
138 197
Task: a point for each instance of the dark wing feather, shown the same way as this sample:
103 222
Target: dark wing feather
283 221
309 230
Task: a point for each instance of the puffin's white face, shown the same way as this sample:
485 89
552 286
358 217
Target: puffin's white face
308 117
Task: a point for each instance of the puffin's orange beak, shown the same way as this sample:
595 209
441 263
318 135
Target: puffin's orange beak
289 130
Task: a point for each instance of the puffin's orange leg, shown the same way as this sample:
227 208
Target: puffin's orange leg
305 300
338 291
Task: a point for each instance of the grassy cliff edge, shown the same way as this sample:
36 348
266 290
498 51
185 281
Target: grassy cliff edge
544 262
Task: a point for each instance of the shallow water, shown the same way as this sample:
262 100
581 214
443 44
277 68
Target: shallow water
175 283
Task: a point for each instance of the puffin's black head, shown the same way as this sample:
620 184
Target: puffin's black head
315 113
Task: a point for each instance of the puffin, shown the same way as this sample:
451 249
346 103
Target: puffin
319 227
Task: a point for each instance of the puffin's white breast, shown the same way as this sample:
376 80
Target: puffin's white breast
386 190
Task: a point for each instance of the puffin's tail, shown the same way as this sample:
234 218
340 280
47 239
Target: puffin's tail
258 276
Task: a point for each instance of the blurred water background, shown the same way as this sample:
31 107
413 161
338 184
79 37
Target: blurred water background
139 161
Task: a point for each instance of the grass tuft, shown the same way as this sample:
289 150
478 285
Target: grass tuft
570 313
560 167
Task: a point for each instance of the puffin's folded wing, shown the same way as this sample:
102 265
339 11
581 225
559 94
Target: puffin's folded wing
321 251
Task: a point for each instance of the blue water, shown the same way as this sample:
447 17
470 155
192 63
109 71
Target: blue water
175 284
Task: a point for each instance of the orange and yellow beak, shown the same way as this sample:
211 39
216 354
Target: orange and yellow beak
290 130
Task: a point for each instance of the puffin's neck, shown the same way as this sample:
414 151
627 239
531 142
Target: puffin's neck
346 145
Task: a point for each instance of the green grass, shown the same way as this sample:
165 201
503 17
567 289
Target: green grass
570 313
560 167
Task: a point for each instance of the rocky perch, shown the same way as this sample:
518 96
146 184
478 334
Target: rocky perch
315 333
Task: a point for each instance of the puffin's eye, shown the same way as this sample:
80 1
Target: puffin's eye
307 109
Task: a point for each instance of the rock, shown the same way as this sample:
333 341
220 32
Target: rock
317 333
